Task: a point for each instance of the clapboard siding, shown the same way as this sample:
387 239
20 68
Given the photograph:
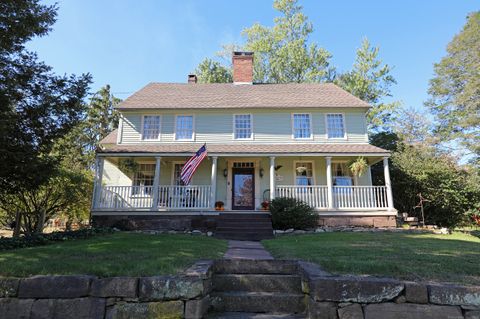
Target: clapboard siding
216 126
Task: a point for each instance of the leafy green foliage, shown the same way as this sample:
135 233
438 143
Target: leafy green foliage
370 80
292 213
209 71
33 240
455 89
36 106
451 190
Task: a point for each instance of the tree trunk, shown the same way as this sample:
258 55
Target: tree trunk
18 222
41 221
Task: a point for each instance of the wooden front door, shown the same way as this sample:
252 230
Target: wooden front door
243 188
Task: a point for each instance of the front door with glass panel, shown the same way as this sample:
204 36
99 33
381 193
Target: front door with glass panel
243 188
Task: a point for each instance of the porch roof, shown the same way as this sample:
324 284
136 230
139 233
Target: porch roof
250 148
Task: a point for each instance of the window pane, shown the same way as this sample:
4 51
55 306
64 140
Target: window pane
335 126
304 173
184 127
301 126
243 126
151 127
143 177
176 175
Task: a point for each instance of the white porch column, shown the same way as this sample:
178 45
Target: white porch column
213 182
388 184
272 178
156 183
329 182
97 184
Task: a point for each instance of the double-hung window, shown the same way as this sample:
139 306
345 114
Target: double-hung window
184 127
335 126
302 126
304 173
143 179
242 126
341 174
151 127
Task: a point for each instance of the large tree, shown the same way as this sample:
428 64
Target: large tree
36 106
371 80
283 53
455 89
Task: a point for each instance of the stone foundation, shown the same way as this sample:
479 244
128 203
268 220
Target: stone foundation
360 221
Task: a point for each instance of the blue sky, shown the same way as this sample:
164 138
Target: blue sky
130 43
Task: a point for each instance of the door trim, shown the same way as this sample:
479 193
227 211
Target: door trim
256 161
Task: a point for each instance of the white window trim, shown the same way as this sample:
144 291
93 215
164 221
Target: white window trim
172 174
142 195
143 128
295 171
251 138
175 128
341 162
345 136
293 127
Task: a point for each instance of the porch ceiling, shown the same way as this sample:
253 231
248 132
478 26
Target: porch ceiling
180 149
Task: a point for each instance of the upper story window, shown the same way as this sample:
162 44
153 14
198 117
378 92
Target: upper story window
151 127
304 173
335 126
242 126
184 127
302 126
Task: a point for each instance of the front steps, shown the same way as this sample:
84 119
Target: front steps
244 226
256 289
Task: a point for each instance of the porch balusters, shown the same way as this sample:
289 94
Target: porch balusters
156 183
388 184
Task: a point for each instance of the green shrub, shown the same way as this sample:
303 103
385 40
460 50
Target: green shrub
292 213
7 243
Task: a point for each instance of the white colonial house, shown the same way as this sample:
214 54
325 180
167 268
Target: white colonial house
263 141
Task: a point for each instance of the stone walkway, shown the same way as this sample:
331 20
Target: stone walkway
238 249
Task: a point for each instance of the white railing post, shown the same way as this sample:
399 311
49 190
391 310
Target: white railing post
156 183
329 182
388 184
97 183
272 178
213 183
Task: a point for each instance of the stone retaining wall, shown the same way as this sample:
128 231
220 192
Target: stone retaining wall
349 297
187 296
184 296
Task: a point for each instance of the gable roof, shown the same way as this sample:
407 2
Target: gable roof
229 95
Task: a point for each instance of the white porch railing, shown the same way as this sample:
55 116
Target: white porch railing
314 196
141 197
370 197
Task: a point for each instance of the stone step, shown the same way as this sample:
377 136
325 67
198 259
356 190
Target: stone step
249 315
257 283
244 215
243 236
238 266
245 229
262 302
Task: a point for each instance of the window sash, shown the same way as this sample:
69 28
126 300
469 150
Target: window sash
304 178
177 172
301 126
143 177
335 126
243 126
151 127
184 127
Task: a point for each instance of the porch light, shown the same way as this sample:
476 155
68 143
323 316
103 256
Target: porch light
261 172
225 172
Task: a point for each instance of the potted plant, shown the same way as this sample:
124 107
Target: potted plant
265 205
219 205
358 167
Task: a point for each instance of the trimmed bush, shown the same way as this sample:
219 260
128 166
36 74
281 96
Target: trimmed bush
7 243
292 213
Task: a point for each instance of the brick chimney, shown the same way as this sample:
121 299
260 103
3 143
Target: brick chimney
242 67
192 79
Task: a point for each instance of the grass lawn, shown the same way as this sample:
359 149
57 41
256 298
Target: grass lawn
447 258
119 254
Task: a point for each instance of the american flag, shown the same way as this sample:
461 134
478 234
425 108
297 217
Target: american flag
191 165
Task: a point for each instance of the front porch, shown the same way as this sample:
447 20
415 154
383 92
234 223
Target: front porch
241 183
